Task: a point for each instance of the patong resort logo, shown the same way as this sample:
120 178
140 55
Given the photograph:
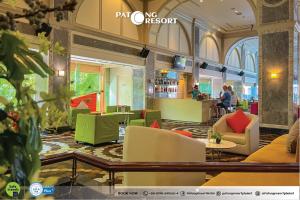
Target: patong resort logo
139 18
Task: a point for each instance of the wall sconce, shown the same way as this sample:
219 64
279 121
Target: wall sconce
274 75
60 73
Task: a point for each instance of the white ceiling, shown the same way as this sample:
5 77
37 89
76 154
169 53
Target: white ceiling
219 14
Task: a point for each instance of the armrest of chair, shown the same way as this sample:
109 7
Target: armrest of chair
221 125
252 134
151 116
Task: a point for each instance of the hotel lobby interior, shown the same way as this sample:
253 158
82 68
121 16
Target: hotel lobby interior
149 93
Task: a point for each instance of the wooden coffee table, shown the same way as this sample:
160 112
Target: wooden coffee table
214 147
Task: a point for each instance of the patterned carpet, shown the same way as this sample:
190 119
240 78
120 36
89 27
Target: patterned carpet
88 175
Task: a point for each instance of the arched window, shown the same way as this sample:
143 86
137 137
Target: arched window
234 59
250 63
209 49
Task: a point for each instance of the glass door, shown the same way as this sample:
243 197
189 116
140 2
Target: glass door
86 80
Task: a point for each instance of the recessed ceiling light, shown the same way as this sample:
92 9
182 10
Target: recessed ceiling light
201 1
238 12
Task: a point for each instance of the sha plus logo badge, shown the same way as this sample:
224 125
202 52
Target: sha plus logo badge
36 189
13 189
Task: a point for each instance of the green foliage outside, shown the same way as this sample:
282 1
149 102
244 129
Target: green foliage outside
84 83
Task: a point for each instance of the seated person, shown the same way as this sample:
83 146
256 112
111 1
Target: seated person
225 98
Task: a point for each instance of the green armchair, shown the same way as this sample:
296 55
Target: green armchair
114 109
73 115
96 129
150 117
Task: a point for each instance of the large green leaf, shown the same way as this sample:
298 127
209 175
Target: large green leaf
19 60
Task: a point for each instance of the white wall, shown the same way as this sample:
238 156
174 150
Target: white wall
121 86
174 37
209 49
100 15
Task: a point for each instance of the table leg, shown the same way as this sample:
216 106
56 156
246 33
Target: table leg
219 155
212 154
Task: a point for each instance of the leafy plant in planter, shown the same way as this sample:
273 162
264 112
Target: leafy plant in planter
55 117
217 136
20 121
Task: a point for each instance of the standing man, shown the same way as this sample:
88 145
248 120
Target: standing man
195 92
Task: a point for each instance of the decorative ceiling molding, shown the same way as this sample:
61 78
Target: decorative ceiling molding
276 27
273 4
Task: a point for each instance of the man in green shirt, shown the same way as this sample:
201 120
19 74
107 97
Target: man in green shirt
195 92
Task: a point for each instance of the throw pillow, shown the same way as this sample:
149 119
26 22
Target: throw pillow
185 133
293 137
155 124
143 114
82 105
238 121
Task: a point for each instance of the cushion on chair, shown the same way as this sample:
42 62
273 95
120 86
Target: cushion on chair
293 137
82 105
281 139
185 133
272 153
234 137
143 114
155 124
238 121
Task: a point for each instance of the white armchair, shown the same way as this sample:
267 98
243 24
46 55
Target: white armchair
247 142
142 144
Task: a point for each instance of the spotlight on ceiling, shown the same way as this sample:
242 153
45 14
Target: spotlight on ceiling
223 69
241 73
204 65
144 53
238 12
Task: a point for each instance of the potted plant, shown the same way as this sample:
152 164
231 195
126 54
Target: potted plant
21 118
217 136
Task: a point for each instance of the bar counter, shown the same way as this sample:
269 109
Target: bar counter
184 109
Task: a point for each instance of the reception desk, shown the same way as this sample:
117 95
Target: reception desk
184 109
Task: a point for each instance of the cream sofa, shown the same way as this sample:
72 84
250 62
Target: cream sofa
276 152
142 144
247 143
